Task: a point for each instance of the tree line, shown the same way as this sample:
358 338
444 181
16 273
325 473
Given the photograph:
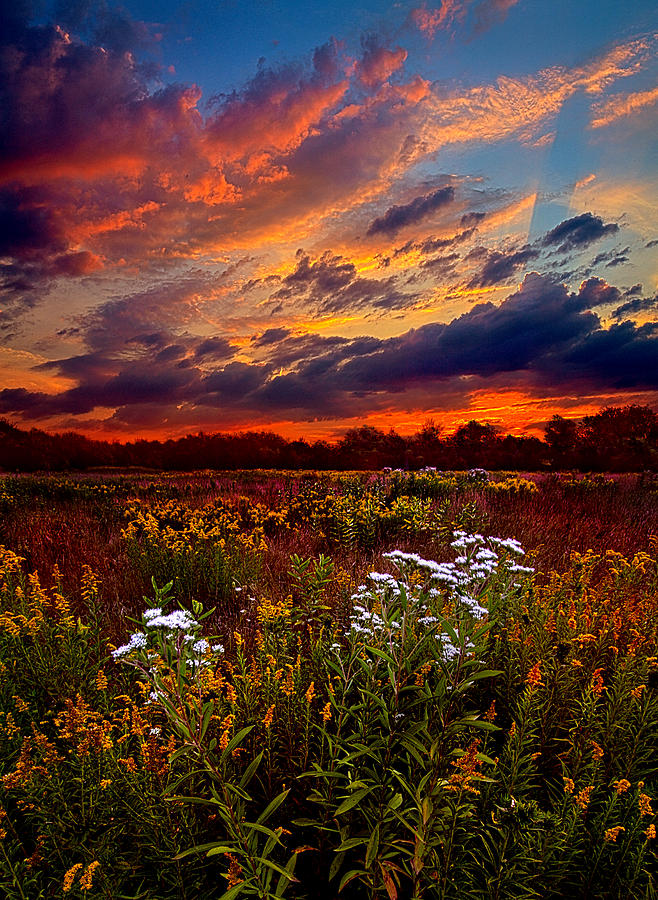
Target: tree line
616 439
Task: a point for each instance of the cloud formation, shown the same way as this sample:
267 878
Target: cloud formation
398 217
543 335
157 223
620 106
579 231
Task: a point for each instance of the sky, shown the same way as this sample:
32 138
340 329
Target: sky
305 217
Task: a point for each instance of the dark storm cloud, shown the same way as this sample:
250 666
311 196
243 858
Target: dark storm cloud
319 277
270 336
472 218
27 225
439 266
623 356
214 348
597 292
578 232
637 305
542 334
500 266
431 245
331 285
398 217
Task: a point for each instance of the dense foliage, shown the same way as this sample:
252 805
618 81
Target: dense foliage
334 686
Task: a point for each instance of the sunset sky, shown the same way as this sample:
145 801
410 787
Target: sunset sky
308 216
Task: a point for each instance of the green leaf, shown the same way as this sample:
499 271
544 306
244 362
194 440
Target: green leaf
336 863
208 710
235 891
351 843
250 771
208 849
350 876
285 880
235 740
373 847
352 801
273 806
276 868
395 802
215 851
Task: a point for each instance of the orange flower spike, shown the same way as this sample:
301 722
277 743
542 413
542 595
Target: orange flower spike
597 750
533 678
269 715
644 803
87 876
596 684
582 798
611 834
69 877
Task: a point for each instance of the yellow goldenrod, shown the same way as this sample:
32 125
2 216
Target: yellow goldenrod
269 715
611 834
87 876
582 798
533 678
644 803
69 877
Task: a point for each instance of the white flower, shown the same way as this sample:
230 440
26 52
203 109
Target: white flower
152 613
179 619
137 642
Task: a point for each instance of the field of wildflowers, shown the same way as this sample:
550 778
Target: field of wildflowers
323 685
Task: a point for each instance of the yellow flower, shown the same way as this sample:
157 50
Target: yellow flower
269 715
101 681
644 802
87 875
650 832
582 797
612 834
310 693
621 786
69 877
568 786
326 712
533 678
597 750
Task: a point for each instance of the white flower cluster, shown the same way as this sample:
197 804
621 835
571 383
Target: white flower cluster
179 624
482 562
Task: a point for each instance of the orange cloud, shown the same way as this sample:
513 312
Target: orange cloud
521 106
429 21
379 64
622 105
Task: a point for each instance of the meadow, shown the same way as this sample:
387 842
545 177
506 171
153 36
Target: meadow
328 685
